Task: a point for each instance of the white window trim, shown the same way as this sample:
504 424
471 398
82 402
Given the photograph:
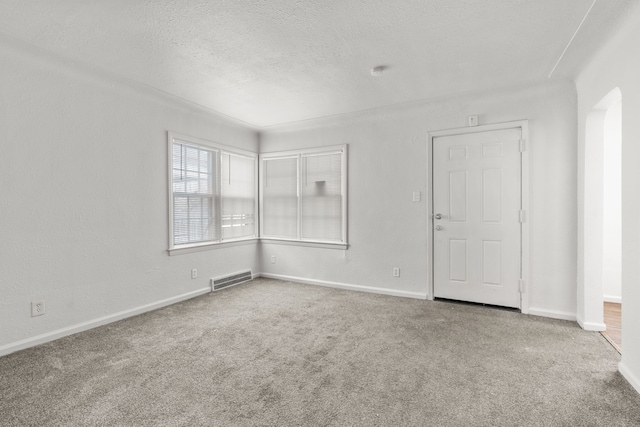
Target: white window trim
334 149
305 243
214 146
187 249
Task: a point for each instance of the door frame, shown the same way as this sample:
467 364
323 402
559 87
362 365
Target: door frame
523 125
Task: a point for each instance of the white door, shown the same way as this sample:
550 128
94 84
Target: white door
476 222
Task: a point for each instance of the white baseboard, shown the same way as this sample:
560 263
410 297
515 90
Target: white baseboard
543 312
592 326
338 285
611 298
54 335
629 376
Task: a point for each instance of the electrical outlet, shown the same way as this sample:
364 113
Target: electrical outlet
273 259
194 273
417 196
396 272
37 308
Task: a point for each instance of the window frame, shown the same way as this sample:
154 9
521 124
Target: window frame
299 153
218 197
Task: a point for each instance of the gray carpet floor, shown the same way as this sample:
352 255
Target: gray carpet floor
275 353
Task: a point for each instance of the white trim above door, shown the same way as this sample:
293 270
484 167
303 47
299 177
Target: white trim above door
522 126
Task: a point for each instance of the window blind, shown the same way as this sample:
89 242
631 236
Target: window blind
304 195
280 197
194 194
321 197
238 196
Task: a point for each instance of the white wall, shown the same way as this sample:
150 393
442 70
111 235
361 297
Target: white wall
84 221
612 207
617 65
388 161
84 215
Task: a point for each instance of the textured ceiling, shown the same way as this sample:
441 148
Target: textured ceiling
268 62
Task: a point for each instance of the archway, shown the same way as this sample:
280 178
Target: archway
600 209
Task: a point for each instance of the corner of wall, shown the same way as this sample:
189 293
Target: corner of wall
626 372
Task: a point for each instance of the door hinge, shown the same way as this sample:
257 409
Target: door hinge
523 216
523 145
523 287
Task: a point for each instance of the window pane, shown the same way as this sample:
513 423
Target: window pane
180 220
280 198
191 157
193 176
179 184
177 157
321 201
192 182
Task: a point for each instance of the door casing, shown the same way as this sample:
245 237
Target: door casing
523 125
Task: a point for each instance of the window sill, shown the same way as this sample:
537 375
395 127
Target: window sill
208 246
341 246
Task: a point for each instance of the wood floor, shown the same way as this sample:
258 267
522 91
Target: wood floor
613 320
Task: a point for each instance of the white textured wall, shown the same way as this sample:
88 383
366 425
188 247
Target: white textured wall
612 206
388 161
83 181
618 65
84 220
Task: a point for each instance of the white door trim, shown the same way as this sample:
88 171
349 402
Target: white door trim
523 125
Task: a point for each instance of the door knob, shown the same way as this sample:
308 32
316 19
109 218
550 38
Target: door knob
438 227
438 216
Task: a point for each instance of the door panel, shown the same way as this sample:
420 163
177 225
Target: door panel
458 196
458 256
477 230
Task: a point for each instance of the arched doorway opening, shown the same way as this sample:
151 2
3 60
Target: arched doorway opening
600 278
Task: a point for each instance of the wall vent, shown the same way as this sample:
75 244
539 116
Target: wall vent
233 279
